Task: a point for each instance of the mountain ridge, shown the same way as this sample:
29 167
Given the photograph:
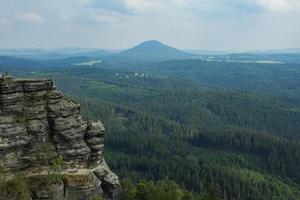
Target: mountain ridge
153 50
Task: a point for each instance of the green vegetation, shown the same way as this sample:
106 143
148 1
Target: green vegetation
96 198
56 166
17 189
271 79
149 190
194 129
21 187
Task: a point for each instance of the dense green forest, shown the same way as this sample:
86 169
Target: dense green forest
192 129
276 79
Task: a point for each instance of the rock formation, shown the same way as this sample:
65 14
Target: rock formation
38 125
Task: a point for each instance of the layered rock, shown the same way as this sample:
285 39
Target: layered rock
34 113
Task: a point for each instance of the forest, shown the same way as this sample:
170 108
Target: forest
172 133
149 100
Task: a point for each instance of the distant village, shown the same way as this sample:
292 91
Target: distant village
132 75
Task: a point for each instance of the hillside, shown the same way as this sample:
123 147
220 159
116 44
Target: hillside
222 137
151 51
198 100
275 79
56 53
200 124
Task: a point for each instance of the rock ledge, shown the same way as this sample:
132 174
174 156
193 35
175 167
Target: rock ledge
33 116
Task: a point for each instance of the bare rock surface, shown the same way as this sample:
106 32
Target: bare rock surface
33 113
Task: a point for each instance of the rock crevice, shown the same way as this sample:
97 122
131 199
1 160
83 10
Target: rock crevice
33 112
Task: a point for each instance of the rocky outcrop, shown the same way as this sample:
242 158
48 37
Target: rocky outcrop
38 123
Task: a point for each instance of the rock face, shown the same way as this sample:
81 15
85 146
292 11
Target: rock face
35 120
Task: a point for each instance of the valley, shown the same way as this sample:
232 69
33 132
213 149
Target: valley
218 129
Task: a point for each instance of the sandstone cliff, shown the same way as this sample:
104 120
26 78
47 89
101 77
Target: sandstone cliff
39 126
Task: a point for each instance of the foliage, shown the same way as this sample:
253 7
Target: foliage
149 190
56 167
220 130
21 186
96 198
16 189
57 164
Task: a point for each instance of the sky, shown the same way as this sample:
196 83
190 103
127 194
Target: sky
118 24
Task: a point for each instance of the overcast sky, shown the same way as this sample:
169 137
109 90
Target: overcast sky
187 24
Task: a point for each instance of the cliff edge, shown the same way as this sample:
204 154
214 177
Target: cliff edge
43 137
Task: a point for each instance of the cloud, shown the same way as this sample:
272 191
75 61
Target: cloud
30 18
144 6
86 16
219 8
280 5
211 24
110 5
106 17
211 8
4 22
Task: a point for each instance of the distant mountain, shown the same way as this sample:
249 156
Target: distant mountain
9 64
255 58
275 51
208 52
279 51
152 51
59 53
29 53
82 52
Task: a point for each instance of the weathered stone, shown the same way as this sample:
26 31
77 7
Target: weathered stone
10 86
32 115
33 85
89 186
109 181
